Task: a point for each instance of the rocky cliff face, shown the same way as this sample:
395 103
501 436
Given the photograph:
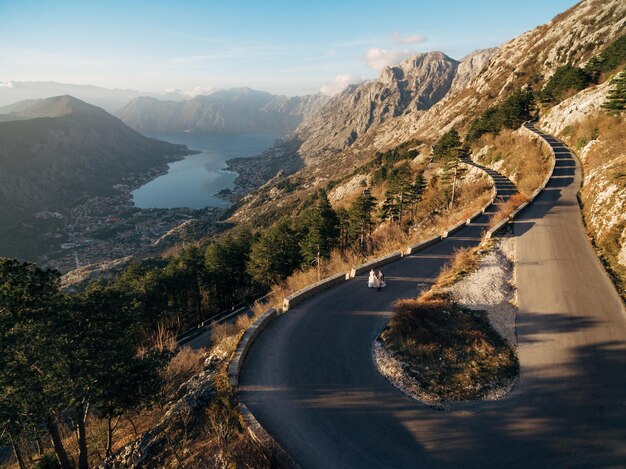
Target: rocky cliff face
237 110
412 87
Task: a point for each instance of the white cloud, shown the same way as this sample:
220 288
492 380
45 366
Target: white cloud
200 90
7 84
380 58
340 83
409 39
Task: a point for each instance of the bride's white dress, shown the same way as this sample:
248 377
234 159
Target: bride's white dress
372 282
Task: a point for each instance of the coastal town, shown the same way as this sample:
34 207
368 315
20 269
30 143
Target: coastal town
106 229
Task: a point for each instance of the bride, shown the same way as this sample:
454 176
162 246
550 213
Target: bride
373 281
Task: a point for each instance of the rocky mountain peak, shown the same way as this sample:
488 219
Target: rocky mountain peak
415 84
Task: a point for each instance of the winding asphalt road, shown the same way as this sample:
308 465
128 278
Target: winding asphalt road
311 382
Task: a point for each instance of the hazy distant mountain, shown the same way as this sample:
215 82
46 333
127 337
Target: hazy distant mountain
109 99
237 110
62 150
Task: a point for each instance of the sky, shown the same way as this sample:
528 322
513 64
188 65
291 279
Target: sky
289 47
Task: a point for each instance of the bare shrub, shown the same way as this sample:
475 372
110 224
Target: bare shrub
185 364
507 208
220 332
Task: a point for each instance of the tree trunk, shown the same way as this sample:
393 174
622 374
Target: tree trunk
453 188
110 429
132 424
83 457
17 451
39 444
109 436
57 442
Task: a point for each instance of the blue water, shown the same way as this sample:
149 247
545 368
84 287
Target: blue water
194 181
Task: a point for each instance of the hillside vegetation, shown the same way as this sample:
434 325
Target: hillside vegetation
519 156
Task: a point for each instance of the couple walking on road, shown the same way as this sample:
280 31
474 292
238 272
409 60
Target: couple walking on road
376 280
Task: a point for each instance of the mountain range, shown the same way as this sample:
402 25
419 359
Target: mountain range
425 96
237 110
111 100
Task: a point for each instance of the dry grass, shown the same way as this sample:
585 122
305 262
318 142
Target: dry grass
604 165
453 354
463 262
185 364
434 216
518 157
226 335
339 262
507 208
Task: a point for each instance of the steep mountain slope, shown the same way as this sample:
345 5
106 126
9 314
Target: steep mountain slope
598 139
375 116
63 150
572 37
226 111
413 86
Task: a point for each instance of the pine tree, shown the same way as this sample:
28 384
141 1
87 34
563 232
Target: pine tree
616 99
397 195
275 255
225 265
453 171
185 282
566 78
447 146
415 193
360 220
320 226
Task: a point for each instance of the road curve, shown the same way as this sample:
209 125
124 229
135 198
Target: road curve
311 381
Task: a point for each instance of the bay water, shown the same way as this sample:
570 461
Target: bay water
194 181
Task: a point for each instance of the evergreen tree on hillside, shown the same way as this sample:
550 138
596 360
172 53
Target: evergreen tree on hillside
566 79
453 171
30 305
416 192
616 99
510 113
185 281
64 356
275 255
397 195
225 264
609 60
517 108
343 216
360 220
320 227
101 367
448 146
